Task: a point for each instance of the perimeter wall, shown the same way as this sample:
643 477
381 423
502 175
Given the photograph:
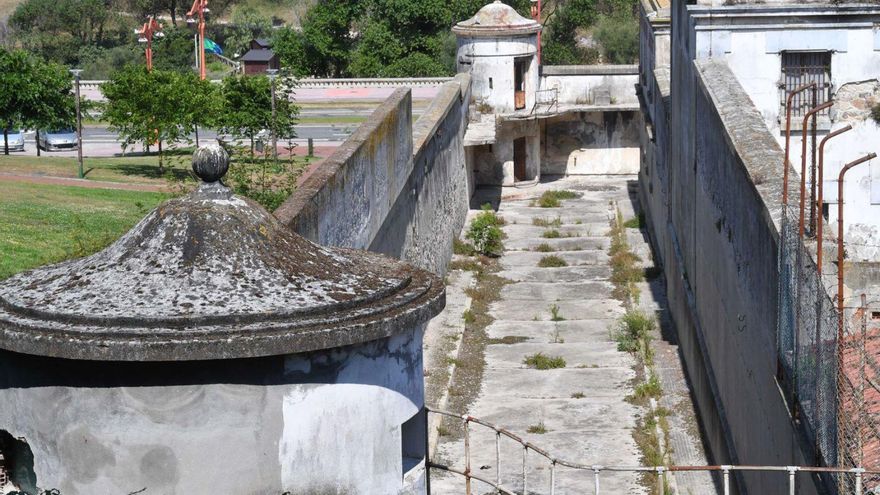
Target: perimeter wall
715 223
393 187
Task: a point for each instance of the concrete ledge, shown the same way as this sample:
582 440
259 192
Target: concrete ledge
344 202
746 133
589 70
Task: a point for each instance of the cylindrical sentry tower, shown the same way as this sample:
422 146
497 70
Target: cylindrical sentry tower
212 350
499 48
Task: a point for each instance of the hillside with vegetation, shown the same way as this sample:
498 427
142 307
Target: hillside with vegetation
317 38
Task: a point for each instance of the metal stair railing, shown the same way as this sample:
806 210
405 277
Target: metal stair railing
598 469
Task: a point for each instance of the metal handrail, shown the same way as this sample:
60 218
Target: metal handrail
597 469
554 101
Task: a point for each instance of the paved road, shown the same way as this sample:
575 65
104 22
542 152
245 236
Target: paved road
99 141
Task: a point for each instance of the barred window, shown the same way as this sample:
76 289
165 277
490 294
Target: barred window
799 68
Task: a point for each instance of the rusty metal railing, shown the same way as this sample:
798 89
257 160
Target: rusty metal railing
598 469
549 97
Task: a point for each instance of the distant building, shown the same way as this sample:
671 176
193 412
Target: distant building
259 58
529 119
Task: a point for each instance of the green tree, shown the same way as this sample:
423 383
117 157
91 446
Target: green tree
56 29
246 103
618 36
201 103
33 93
247 24
324 47
148 107
176 51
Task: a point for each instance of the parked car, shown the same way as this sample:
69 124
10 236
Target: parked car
15 138
57 140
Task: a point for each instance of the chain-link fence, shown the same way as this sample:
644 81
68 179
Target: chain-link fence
832 382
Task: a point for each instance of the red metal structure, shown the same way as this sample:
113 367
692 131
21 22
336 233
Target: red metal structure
807 116
843 171
819 198
536 15
788 102
150 29
199 8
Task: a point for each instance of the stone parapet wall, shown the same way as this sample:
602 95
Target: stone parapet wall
393 187
715 223
430 211
592 85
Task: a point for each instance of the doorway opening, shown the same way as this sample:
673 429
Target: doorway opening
519 159
520 67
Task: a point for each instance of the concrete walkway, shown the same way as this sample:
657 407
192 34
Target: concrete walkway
582 407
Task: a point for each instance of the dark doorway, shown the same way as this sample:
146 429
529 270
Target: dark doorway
520 66
519 159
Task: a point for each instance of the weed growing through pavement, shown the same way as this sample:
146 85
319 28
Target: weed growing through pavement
541 361
544 248
552 261
555 313
543 222
538 429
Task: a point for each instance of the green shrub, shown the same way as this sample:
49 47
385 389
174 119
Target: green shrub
485 233
635 222
551 234
544 248
633 333
649 389
553 199
541 361
552 261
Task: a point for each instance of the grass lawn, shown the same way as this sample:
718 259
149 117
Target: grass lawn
129 169
43 224
134 169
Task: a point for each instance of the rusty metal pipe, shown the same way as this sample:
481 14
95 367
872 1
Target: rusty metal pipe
819 198
785 166
813 111
843 172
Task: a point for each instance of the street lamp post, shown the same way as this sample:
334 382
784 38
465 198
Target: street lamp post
79 144
150 29
199 8
273 73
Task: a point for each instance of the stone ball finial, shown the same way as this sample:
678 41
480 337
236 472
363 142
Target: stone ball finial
210 162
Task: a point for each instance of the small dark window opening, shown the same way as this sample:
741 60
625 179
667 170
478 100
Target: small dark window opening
414 440
875 315
490 83
519 159
799 68
826 208
520 67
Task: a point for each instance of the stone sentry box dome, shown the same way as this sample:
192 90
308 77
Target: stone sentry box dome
499 48
212 350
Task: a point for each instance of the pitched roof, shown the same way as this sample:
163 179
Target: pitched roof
258 55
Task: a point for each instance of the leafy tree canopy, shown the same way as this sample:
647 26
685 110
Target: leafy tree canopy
377 38
33 93
155 107
246 108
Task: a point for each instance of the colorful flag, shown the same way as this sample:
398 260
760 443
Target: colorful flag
212 47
